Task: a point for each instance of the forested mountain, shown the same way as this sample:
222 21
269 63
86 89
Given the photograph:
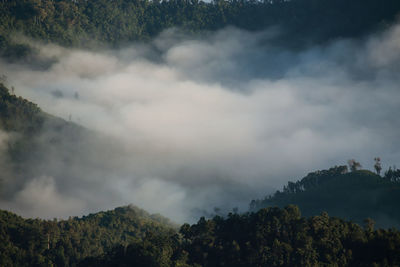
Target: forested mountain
37 242
77 165
18 114
270 237
37 146
32 140
355 195
128 236
116 22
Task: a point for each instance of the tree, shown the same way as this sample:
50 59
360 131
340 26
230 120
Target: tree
369 225
393 174
354 165
378 166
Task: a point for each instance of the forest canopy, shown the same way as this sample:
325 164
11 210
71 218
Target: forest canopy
326 218
354 195
128 236
80 22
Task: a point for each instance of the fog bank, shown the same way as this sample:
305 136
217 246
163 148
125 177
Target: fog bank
192 124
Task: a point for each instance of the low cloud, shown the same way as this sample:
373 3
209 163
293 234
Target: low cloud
194 123
40 198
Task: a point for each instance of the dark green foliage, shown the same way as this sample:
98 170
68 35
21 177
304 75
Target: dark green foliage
23 121
129 236
393 174
18 114
27 242
156 249
32 136
270 237
119 21
353 195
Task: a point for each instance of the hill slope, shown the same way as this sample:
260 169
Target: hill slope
39 151
33 140
118 22
351 195
36 242
270 237
128 236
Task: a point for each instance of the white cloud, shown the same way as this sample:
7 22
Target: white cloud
217 121
41 198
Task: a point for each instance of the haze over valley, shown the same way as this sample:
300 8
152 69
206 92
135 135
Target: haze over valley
189 109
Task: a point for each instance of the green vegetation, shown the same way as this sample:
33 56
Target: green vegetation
36 242
117 22
130 237
355 195
32 135
22 121
18 114
273 233
270 237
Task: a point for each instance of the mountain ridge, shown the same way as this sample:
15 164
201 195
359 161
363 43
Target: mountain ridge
356 195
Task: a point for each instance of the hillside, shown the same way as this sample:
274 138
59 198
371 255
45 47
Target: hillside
351 195
182 107
83 23
32 140
45 152
18 114
36 242
270 237
128 236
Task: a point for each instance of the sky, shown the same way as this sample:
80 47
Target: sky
184 124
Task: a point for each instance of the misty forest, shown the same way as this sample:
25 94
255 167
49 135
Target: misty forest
199 133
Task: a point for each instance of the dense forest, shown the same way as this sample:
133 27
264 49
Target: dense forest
339 206
18 114
36 242
33 136
130 237
354 195
82 23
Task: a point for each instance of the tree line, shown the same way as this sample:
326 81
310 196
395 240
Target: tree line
37 242
269 237
79 22
354 195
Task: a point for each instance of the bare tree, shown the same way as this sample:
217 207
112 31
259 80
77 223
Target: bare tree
378 166
354 165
